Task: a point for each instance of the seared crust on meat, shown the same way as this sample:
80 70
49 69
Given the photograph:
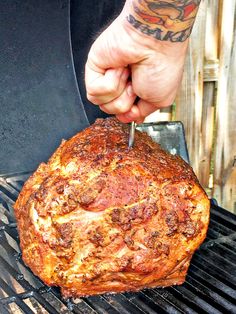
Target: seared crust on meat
99 217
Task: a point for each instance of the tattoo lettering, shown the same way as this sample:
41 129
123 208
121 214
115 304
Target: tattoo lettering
168 20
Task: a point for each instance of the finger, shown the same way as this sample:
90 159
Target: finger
121 104
130 115
105 87
143 108
138 112
95 78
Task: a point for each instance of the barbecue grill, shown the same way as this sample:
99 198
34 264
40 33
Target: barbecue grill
44 46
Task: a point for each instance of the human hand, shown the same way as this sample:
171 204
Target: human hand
155 68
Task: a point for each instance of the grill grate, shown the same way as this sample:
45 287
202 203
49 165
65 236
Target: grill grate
210 286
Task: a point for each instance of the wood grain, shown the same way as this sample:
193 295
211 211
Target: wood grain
210 78
190 95
224 170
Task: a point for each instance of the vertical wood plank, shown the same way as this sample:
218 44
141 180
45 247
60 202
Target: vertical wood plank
212 30
225 174
207 129
209 89
189 97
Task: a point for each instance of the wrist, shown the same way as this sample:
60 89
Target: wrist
167 21
150 42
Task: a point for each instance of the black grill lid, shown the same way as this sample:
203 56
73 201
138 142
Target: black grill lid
40 84
210 286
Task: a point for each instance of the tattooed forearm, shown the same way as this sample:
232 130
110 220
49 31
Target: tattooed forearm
169 20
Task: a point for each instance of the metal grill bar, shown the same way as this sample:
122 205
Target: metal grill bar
169 295
213 270
25 285
212 283
14 298
223 217
165 304
101 305
122 304
146 304
210 296
210 286
217 227
187 292
4 310
22 296
228 254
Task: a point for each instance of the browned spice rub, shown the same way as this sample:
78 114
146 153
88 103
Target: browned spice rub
100 218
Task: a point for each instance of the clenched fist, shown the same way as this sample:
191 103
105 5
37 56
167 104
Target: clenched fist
124 63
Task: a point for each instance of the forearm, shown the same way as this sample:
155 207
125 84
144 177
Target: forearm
166 20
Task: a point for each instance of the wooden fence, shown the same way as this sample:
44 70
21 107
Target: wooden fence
206 101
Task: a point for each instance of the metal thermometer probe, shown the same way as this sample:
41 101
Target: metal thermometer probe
131 134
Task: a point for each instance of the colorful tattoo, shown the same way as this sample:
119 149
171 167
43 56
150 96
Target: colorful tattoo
169 20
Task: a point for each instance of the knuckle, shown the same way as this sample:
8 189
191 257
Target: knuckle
120 107
91 91
123 109
111 88
92 99
143 95
104 109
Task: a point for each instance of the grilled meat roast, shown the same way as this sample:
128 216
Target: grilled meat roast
99 217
